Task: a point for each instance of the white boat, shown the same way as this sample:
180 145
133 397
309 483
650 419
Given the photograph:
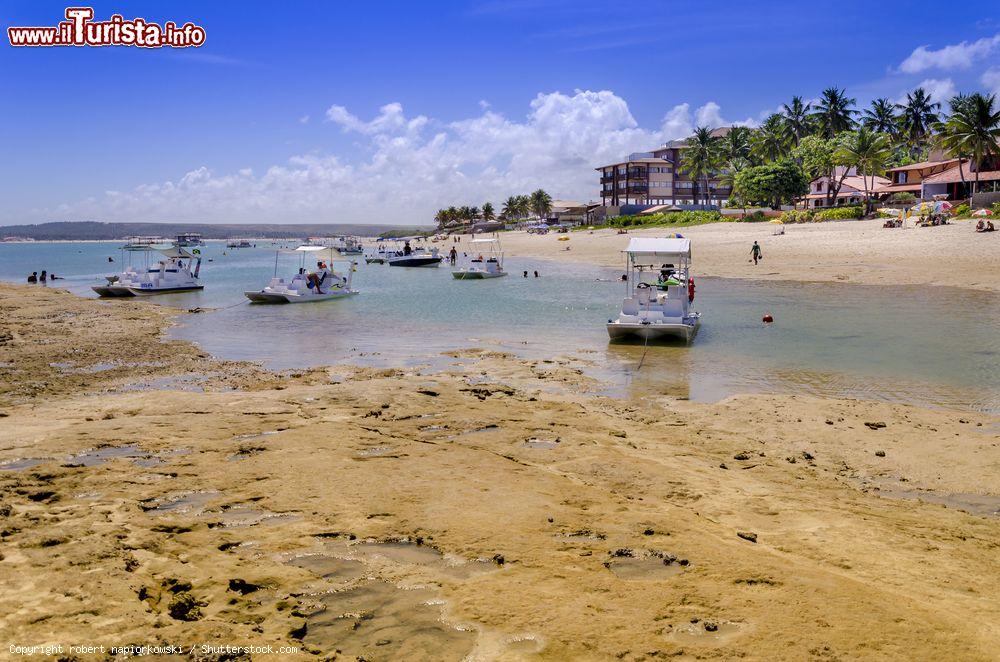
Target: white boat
172 272
297 290
656 305
377 256
413 257
239 243
487 262
189 239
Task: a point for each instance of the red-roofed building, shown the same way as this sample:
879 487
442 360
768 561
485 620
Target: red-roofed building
852 189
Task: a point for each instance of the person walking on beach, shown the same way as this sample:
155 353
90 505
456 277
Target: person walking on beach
755 252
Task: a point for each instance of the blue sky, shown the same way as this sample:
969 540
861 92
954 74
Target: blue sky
341 112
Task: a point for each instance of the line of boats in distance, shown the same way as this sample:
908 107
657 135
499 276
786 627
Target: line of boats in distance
657 303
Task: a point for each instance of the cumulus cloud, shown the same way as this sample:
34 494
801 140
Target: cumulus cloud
954 56
991 80
939 89
413 165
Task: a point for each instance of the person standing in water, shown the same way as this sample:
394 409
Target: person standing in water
755 252
43 277
453 255
33 278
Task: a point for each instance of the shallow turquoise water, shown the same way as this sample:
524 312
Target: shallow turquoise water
922 345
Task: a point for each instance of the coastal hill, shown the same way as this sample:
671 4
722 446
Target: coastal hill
92 230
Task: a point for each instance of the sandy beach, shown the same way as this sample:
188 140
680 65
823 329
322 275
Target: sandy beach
841 251
492 511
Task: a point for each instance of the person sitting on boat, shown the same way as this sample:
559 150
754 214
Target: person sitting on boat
406 248
317 277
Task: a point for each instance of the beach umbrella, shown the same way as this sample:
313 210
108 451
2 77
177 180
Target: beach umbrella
982 212
889 211
942 206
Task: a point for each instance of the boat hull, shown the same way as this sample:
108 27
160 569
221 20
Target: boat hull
625 331
374 260
476 275
140 292
275 297
415 261
111 291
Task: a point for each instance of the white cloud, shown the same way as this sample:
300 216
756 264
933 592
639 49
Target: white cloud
710 115
304 119
991 80
940 90
412 166
954 56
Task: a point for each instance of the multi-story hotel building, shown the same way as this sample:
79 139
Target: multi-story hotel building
658 178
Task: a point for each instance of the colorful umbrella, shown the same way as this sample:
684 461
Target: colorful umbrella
982 212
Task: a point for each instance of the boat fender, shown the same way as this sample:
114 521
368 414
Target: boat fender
767 319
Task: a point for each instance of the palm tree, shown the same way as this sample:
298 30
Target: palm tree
541 204
523 206
736 144
702 157
916 117
973 130
797 118
834 112
772 140
868 152
488 213
509 209
881 117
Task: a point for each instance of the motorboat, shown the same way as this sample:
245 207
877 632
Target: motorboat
350 246
413 257
175 270
486 263
656 305
298 289
377 256
189 239
239 243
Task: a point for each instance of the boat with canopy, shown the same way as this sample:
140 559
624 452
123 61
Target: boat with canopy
299 289
656 304
176 269
487 261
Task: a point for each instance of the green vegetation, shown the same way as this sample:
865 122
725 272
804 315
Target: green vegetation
818 138
961 210
516 207
772 183
675 219
818 215
839 214
903 198
972 131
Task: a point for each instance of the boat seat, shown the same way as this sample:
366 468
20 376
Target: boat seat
645 295
630 306
673 308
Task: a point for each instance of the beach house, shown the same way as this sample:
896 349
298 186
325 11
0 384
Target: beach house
851 192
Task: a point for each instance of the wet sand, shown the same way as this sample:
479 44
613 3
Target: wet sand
491 512
839 251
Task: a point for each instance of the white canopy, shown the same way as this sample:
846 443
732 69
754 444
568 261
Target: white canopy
657 247
173 251
310 248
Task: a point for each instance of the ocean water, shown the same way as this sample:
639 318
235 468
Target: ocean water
920 345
